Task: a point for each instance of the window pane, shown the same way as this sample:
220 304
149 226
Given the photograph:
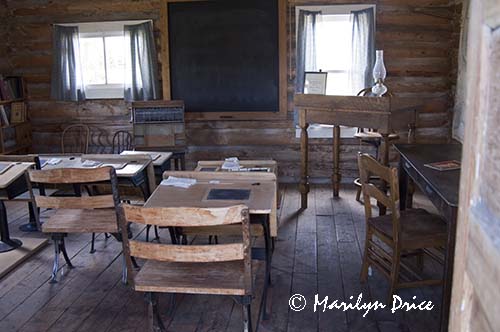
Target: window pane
337 84
115 59
334 45
93 60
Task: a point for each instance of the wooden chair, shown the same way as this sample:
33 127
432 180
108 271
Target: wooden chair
84 214
122 140
404 232
222 269
75 139
371 137
129 192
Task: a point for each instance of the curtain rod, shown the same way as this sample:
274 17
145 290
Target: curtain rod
101 22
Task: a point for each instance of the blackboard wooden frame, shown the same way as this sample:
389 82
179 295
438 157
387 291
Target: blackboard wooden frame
282 38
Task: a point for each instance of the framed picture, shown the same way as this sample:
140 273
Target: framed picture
315 82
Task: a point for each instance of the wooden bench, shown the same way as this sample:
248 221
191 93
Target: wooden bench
84 214
222 269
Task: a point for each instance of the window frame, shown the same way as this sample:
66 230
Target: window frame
103 29
318 131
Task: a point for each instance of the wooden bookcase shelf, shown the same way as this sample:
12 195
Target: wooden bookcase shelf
15 138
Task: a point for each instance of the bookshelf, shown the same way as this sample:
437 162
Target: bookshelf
158 125
15 127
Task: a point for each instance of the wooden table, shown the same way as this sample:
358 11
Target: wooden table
12 184
442 188
216 166
386 115
135 172
161 164
260 200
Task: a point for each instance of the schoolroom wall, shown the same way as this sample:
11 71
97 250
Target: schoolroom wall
419 37
5 66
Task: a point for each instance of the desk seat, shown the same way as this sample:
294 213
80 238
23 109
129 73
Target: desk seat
373 135
419 228
221 278
82 221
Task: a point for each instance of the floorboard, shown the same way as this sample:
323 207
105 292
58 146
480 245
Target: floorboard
318 251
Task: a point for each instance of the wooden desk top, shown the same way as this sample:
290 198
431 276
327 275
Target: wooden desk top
13 173
384 114
133 167
164 156
445 183
260 200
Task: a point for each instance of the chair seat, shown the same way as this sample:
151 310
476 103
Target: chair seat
221 278
374 136
419 228
82 221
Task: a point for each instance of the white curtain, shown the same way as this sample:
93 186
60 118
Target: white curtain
66 80
141 75
363 49
306 46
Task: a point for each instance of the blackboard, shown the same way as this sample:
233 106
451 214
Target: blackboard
224 55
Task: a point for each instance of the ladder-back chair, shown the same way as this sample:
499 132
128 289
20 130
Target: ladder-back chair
404 232
83 214
221 269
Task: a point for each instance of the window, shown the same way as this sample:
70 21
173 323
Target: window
103 66
103 58
331 51
334 52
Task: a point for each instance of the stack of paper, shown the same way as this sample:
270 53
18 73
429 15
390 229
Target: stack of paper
178 182
231 164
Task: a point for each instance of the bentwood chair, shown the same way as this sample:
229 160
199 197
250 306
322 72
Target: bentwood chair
407 232
83 214
75 139
122 140
370 137
221 269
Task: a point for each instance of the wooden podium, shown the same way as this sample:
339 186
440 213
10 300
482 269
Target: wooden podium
385 115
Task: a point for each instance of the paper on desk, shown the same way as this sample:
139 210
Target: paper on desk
231 164
91 163
178 182
53 161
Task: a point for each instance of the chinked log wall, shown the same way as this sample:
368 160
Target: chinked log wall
420 39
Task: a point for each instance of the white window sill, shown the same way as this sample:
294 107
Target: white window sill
104 91
326 131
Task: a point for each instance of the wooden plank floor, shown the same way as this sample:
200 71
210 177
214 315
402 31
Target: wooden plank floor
318 251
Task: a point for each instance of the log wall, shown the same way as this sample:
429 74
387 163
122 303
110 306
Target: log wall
420 39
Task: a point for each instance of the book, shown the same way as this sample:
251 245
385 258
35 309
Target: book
3 115
5 90
15 86
447 165
18 113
